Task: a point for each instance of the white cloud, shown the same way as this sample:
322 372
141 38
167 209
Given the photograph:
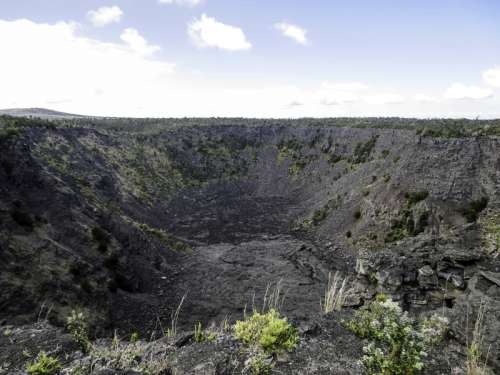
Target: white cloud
385 98
297 33
125 79
105 15
424 98
43 64
492 77
459 91
295 103
190 3
207 32
137 43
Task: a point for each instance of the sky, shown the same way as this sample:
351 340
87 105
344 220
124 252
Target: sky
274 58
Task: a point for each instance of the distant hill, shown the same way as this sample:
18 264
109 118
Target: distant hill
36 112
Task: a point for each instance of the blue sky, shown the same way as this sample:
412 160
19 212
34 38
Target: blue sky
277 58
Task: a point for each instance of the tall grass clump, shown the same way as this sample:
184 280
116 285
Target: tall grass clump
335 294
174 318
476 362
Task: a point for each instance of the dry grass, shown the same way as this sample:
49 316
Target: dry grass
476 362
274 298
335 294
172 331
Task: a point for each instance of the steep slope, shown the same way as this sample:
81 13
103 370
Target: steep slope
123 220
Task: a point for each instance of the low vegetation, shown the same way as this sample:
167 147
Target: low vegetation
490 227
396 343
44 365
476 360
202 335
336 292
77 326
413 198
472 210
265 334
363 151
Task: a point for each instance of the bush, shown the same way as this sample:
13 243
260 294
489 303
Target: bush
397 346
434 329
202 335
363 151
102 238
44 365
414 198
357 214
269 331
265 334
474 208
134 337
22 218
77 326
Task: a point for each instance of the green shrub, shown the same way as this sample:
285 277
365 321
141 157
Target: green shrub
357 214
202 335
134 337
474 208
22 218
269 331
396 344
413 198
77 326
264 335
102 238
363 151
434 329
44 365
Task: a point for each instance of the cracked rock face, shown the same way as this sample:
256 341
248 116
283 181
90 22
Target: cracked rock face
125 220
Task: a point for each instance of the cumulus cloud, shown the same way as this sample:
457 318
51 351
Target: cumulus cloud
459 91
43 64
190 3
207 32
105 15
492 77
294 32
137 43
